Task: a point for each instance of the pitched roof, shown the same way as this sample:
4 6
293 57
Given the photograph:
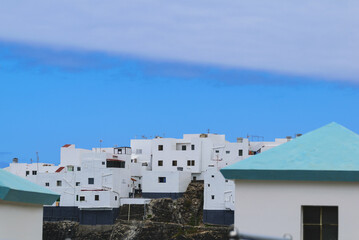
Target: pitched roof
16 189
330 153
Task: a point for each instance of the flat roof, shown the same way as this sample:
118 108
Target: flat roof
330 153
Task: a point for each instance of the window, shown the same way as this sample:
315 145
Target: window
91 180
226 180
34 172
77 197
97 197
240 152
70 168
115 198
320 223
160 163
77 183
174 163
115 164
217 151
78 169
212 196
58 183
192 147
162 179
103 163
184 147
212 176
139 151
27 173
144 164
194 178
190 162
209 185
82 198
47 184
160 147
228 152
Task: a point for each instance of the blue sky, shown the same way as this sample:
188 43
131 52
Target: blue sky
85 81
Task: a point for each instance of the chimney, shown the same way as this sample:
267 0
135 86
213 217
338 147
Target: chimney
15 160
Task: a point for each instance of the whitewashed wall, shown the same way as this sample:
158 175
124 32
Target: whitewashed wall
176 182
20 221
274 207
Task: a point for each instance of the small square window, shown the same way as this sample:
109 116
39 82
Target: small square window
162 179
34 172
212 176
240 152
212 196
192 147
226 180
91 181
97 197
174 163
160 147
103 163
160 163
217 151
184 147
27 173
77 184
82 198
59 183
78 169
228 152
47 184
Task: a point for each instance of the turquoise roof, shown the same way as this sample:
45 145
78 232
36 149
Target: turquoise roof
16 189
330 153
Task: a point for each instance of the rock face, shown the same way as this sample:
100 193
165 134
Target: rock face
165 219
185 210
131 230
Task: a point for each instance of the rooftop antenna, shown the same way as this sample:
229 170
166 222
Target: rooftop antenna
31 160
37 161
100 144
208 130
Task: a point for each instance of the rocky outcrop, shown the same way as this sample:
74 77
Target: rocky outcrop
131 230
185 210
179 219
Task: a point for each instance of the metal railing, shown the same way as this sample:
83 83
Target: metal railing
235 235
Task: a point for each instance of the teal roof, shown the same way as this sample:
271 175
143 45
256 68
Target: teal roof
16 189
330 153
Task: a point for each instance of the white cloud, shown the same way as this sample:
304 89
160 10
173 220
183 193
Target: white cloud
311 38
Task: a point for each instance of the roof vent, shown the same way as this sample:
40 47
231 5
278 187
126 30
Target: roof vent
240 140
298 135
203 135
15 160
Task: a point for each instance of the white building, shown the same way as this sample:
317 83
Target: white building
308 187
86 180
21 207
219 193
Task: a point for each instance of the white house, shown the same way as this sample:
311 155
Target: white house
91 183
308 187
21 207
219 193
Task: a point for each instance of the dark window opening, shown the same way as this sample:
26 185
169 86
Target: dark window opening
27 173
59 183
77 183
103 163
82 198
78 169
217 151
47 184
160 163
115 198
97 197
212 196
192 147
91 181
162 179
184 147
160 147
34 172
240 152
115 164
174 163
320 223
77 197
